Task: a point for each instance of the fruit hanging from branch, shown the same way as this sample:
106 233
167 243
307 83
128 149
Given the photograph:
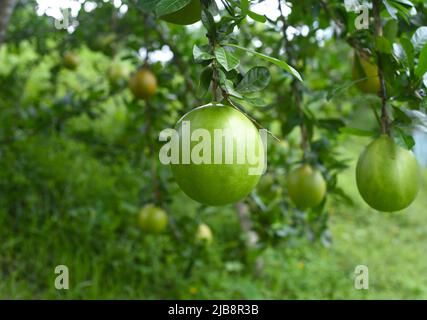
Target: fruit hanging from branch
143 84
306 187
218 172
387 176
152 219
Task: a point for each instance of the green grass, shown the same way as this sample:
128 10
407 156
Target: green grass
90 227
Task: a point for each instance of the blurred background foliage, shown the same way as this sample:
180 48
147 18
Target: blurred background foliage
79 158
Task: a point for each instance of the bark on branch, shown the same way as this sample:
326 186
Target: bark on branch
6 10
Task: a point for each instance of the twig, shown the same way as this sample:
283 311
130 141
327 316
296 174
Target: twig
385 129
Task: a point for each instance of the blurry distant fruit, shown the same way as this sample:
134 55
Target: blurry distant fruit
143 84
306 187
70 61
204 234
152 219
116 72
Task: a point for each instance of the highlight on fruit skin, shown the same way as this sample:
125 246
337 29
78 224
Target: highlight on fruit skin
152 219
306 187
214 183
70 61
387 175
364 69
187 15
143 84
204 234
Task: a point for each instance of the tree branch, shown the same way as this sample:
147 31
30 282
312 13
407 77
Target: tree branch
6 10
383 91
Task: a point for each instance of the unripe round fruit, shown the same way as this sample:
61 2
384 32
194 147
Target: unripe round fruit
152 219
362 68
217 181
143 84
70 61
387 175
204 234
190 14
306 187
116 72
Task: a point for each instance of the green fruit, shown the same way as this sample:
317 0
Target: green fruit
190 14
387 175
362 68
204 234
306 187
116 72
152 219
143 84
70 61
214 183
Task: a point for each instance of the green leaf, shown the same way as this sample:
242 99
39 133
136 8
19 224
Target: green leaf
254 80
419 39
277 62
226 59
148 5
409 51
257 17
404 139
383 45
244 6
422 63
200 55
331 124
390 30
208 22
357 132
205 81
168 6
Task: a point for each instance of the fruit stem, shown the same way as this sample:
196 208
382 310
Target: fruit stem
385 124
296 91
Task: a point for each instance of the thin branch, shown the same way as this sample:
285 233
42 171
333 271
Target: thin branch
6 10
383 91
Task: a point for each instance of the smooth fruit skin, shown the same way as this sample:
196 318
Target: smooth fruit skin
387 175
116 72
219 184
143 84
190 14
204 234
306 187
70 61
362 68
152 219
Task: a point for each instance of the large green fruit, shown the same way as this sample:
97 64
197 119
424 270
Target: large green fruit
387 175
218 181
143 84
190 14
306 187
70 61
152 219
362 68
